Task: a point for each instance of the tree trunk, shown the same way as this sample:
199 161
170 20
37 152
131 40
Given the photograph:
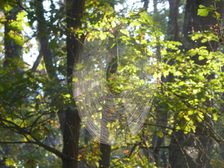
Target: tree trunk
71 138
173 28
74 13
105 151
68 115
145 5
43 38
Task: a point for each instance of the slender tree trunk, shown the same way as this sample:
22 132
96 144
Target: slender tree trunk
43 38
68 115
74 13
105 149
71 138
175 147
145 4
173 28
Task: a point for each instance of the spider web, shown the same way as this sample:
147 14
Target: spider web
111 115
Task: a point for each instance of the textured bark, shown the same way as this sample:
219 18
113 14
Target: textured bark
74 12
173 28
68 115
145 4
71 138
157 142
105 155
74 44
105 149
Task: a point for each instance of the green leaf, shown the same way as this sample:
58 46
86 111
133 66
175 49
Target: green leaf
203 11
20 16
10 162
67 96
8 7
102 36
160 134
217 15
196 36
125 32
215 117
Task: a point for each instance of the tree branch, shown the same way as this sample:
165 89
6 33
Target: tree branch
16 142
36 63
24 132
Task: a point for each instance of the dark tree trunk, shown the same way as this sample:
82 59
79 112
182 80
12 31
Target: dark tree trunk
173 28
105 150
68 115
71 138
71 129
175 148
145 4
74 12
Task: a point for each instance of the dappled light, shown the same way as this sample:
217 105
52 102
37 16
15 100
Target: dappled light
114 106
111 84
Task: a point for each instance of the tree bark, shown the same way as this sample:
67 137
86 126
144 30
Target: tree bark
173 28
74 13
105 151
145 4
68 115
74 44
71 138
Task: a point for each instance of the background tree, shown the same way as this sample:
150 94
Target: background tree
176 46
